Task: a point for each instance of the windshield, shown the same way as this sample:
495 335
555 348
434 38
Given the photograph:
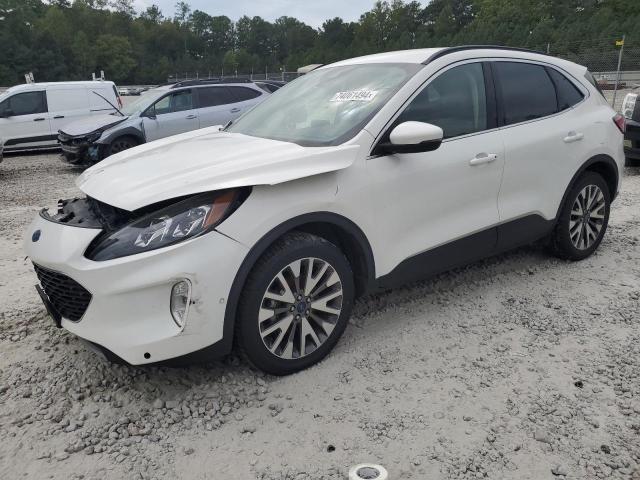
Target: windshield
142 103
325 107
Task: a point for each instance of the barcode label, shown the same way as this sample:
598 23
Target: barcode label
354 96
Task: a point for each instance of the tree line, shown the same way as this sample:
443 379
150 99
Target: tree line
68 40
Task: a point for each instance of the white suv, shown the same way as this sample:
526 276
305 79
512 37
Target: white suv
361 175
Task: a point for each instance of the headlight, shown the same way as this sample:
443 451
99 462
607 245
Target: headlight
93 136
183 220
89 138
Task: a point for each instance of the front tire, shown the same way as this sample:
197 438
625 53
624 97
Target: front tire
295 304
120 144
583 219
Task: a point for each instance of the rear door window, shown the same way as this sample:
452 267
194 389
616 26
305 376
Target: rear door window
455 101
568 93
214 96
242 94
527 91
27 103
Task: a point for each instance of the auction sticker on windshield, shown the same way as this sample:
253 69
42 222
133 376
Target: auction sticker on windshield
354 96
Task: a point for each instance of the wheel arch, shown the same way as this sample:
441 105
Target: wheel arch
333 227
125 132
601 164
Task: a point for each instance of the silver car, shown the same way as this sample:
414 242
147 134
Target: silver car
158 113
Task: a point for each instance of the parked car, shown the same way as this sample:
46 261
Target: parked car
359 176
158 113
32 114
631 111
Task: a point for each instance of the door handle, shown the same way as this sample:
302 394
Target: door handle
58 116
190 117
235 110
573 137
39 119
482 158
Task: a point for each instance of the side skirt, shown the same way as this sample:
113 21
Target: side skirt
472 248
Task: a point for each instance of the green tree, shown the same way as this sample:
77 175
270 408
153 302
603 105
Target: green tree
114 56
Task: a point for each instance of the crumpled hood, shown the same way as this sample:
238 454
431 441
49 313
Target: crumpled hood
91 124
204 160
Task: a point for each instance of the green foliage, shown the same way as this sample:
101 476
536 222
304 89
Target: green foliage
70 39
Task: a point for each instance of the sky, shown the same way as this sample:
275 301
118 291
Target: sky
311 12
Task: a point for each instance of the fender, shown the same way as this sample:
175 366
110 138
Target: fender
225 345
130 131
611 165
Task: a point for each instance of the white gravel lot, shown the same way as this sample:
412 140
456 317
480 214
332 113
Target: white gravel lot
521 366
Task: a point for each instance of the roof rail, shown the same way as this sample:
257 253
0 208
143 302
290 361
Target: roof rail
210 81
461 48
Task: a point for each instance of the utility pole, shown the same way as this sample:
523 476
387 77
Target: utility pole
615 90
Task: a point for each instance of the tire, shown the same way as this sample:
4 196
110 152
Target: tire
569 239
266 302
631 162
120 144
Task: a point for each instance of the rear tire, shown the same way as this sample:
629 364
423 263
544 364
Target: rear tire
583 219
295 304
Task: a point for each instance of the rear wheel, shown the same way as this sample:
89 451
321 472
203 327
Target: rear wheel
583 220
295 305
120 144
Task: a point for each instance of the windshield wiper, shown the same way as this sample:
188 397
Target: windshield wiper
117 109
229 123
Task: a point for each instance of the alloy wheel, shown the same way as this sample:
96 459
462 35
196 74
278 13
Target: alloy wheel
587 217
300 308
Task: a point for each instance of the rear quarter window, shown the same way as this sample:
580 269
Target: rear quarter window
592 80
568 93
242 94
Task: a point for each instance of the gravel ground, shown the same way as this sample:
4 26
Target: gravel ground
521 366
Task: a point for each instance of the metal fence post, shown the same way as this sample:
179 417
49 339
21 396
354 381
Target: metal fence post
615 89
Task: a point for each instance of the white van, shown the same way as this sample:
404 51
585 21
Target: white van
32 114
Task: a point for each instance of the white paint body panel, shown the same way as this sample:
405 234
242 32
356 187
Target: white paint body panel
404 204
129 312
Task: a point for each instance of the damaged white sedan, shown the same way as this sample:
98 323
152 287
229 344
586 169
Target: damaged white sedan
358 176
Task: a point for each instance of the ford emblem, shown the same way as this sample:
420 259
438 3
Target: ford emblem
36 236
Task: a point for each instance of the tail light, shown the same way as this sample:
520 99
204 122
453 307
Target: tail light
620 122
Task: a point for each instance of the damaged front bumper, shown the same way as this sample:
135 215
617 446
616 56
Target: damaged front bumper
126 307
80 150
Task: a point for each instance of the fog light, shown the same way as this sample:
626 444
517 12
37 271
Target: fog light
180 299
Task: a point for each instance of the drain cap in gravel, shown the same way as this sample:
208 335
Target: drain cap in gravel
367 471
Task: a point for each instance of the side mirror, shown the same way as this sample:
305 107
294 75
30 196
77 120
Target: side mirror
412 137
150 113
6 114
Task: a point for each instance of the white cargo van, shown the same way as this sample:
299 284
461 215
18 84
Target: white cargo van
32 114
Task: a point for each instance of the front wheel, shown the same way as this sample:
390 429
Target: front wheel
583 220
120 144
295 304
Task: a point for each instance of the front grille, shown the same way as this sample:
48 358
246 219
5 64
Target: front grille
68 297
